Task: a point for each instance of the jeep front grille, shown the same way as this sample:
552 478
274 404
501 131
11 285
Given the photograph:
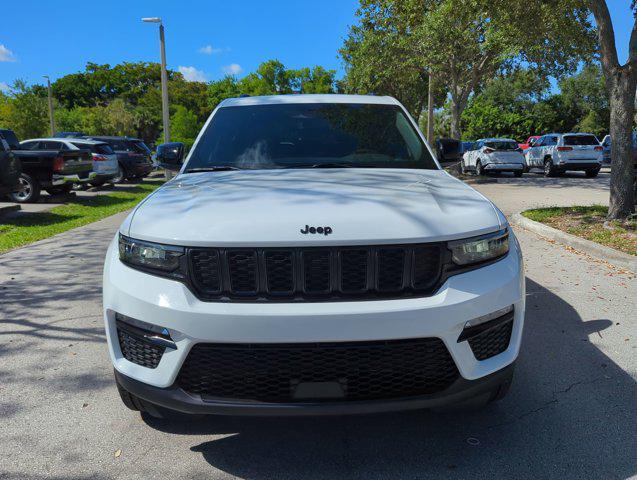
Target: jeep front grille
262 274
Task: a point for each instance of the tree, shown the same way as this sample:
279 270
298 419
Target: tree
184 126
379 61
621 82
465 42
28 115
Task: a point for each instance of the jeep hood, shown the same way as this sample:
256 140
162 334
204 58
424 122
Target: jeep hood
271 207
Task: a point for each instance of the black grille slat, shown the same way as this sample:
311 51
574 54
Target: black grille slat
353 270
364 370
242 266
315 273
207 274
390 269
426 266
280 272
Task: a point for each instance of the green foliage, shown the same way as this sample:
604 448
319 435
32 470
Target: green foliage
517 104
184 126
462 42
25 110
272 78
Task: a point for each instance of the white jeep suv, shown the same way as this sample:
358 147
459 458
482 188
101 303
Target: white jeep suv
558 152
312 257
493 155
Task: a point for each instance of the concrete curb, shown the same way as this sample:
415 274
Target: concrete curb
606 254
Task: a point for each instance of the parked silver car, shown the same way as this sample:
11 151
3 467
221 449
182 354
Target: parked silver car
557 153
490 155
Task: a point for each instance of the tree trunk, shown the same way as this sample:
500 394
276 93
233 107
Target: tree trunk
622 109
456 112
621 82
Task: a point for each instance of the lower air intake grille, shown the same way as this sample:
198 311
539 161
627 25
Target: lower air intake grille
135 349
359 370
491 342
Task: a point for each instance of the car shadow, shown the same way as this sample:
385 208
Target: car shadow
569 414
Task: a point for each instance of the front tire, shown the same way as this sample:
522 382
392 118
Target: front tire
479 169
121 174
29 190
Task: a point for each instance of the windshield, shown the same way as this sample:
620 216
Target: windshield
501 145
310 135
580 140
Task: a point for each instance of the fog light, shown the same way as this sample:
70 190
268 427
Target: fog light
151 333
485 318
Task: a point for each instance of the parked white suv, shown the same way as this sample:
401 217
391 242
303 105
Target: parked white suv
491 155
312 257
557 153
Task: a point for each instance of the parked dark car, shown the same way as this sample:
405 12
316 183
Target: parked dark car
448 150
46 165
69 135
606 143
133 155
10 169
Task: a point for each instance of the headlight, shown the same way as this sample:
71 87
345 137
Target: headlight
148 255
479 249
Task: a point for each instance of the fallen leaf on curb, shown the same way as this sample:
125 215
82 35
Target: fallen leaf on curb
118 453
84 405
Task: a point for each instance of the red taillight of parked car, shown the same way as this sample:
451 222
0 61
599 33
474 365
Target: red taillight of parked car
489 150
564 149
99 158
599 149
58 164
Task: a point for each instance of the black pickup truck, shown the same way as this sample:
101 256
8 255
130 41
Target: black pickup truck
53 170
9 169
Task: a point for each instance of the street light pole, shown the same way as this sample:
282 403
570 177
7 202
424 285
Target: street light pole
51 116
164 77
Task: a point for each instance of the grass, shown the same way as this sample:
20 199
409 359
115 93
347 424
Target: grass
589 223
31 227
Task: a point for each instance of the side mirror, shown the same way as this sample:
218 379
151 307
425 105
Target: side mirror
170 155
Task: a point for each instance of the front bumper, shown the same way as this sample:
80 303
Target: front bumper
58 179
171 305
584 165
139 169
504 167
174 398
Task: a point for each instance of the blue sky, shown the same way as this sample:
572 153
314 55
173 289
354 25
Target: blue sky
205 38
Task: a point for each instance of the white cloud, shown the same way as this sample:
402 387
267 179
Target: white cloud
6 55
210 50
232 69
191 74
4 87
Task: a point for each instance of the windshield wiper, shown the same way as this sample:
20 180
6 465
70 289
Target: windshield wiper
217 168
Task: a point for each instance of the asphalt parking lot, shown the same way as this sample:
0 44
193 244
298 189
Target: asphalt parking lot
570 413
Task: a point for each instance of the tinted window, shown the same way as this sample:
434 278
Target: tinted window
548 141
502 145
49 145
303 135
30 145
11 138
140 147
580 140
